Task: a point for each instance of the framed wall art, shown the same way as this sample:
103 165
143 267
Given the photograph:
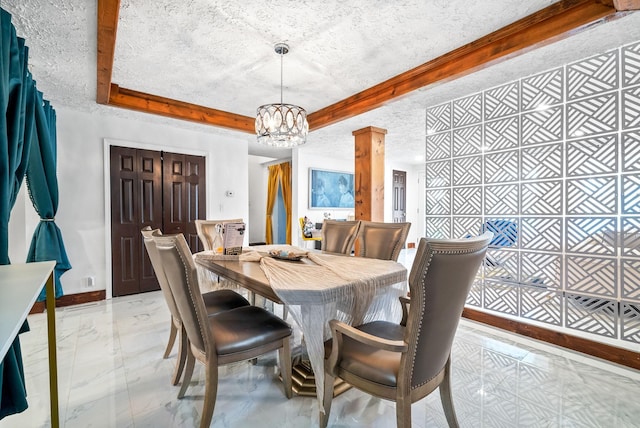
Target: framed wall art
330 189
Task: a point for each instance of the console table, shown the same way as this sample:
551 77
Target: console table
20 285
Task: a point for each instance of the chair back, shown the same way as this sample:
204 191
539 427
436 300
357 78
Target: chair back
182 277
440 279
150 245
339 236
206 230
377 240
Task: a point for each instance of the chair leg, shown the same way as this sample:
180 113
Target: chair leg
447 398
172 339
183 351
327 398
403 412
210 393
284 355
285 311
188 372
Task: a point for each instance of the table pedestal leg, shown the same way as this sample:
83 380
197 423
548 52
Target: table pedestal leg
304 382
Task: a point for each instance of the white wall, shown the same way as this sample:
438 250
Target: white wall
18 240
258 178
83 140
303 160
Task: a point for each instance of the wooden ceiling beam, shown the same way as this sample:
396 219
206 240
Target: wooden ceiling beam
108 12
550 24
148 103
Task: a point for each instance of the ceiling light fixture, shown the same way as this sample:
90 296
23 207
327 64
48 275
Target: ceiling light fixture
281 125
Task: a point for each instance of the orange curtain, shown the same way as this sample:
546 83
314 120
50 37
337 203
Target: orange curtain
278 175
272 191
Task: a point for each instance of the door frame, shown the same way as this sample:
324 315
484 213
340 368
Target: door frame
107 143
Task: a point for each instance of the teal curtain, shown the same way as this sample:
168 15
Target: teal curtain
15 84
14 149
42 182
27 147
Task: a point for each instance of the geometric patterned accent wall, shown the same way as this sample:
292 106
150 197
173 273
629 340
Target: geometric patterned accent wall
551 164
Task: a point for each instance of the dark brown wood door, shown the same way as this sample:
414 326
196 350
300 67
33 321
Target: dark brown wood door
184 196
139 184
399 196
136 202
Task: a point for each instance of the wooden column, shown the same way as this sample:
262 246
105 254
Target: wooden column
369 173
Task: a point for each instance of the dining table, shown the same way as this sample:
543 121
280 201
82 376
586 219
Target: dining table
316 287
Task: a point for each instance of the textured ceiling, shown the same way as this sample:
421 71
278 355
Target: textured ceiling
220 54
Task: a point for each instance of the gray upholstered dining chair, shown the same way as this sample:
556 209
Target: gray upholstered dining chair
206 230
339 236
214 302
377 240
230 336
406 362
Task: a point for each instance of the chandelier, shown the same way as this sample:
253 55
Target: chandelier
281 125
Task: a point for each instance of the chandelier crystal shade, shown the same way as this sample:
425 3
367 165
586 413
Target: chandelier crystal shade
281 125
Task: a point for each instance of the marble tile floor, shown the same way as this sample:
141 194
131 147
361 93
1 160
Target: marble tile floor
111 374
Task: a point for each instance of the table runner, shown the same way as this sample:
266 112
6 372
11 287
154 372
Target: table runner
351 289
